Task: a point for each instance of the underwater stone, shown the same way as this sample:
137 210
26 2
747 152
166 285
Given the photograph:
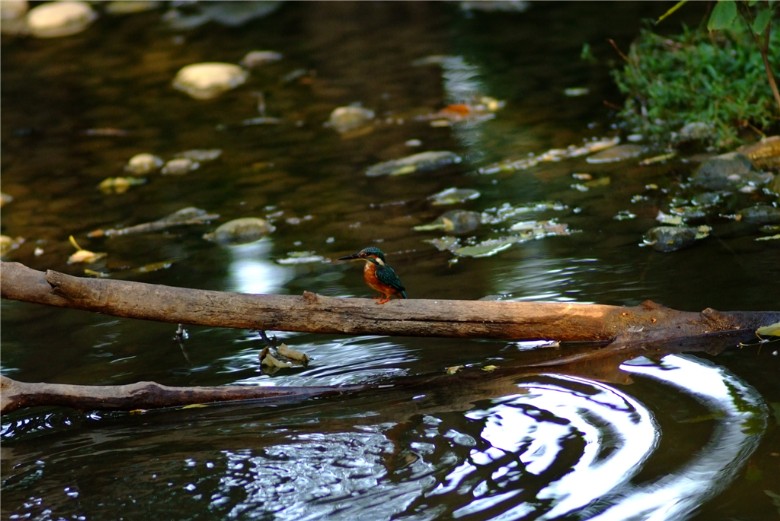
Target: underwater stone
344 119
459 222
422 162
141 164
180 166
209 80
727 172
122 7
254 59
615 154
55 19
760 214
764 153
13 15
241 231
670 238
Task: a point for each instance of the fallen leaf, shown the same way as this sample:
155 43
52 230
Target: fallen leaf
422 162
119 185
453 196
8 243
272 362
770 330
82 255
282 357
287 352
485 248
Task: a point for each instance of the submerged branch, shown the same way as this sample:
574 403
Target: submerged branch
149 395
587 360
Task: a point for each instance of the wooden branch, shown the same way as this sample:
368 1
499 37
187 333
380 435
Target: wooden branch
646 328
314 313
149 395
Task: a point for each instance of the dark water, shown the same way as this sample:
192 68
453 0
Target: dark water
675 437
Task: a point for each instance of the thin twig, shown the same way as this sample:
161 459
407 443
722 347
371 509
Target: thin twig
617 50
764 49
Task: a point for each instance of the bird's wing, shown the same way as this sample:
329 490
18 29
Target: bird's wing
387 276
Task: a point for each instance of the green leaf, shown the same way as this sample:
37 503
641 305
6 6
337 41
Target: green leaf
586 54
724 16
486 248
762 20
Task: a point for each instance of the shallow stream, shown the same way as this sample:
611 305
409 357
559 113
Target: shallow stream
680 436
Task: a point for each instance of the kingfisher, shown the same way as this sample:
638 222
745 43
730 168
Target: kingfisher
378 274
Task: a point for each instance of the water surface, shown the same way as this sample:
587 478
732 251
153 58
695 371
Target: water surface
689 436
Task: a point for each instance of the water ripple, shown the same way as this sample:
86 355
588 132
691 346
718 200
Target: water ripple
553 448
736 436
542 447
573 448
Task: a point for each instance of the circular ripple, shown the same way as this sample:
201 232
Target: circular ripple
573 448
551 447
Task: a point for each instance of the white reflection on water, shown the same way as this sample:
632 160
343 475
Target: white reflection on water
462 82
718 463
252 272
557 447
573 447
536 276
629 436
580 437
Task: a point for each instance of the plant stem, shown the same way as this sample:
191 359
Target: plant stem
764 49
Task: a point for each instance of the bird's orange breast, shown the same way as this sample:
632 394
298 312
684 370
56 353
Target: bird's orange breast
369 275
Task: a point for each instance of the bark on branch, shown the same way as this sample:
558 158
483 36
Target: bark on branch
314 313
646 328
148 395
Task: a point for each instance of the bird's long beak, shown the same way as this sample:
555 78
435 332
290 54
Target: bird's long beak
354 256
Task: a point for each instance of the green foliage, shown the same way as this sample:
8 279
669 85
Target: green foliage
715 81
756 16
586 54
724 16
